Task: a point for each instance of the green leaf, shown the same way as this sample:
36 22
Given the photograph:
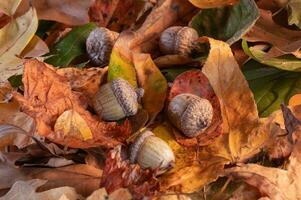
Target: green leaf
286 62
15 81
120 67
226 23
271 86
71 46
294 10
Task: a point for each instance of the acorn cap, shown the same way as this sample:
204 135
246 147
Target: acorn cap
99 45
184 40
190 113
197 117
126 96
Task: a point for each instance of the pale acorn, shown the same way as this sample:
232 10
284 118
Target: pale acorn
151 152
190 113
99 45
117 99
178 40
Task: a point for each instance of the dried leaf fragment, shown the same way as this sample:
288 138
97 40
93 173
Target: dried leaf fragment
70 122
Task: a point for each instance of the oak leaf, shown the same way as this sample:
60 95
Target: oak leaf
47 95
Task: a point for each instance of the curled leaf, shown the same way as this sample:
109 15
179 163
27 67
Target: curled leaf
284 41
9 7
294 7
13 39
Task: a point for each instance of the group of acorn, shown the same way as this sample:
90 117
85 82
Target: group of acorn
118 99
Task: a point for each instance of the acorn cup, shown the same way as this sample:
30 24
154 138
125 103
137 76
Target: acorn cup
190 113
116 100
151 152
178 40
99 45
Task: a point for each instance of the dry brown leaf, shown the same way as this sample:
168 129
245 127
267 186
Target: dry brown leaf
172 60
119 173
22 189
101 194
84 178
193 169
273 183
35 48
284 41
86 81
101 11
47 95
70 12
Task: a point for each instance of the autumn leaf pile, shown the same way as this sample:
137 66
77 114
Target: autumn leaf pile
246 62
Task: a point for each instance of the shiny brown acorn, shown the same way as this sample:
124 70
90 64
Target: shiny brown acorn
99 45
151 152
190 113
177 40
117 99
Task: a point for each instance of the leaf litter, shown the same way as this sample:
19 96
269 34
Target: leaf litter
54 145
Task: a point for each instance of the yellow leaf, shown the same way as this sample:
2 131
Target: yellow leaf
212 3
238 107
13 39
192 169
295 100
152 81
9 7
70 122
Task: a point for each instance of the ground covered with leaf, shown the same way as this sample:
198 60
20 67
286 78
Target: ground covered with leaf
152 99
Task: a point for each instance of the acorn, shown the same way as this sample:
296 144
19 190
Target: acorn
178 40
151 152
190 113
99 45
117 99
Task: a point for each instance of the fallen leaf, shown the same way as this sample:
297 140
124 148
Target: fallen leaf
153 82
70 122
70 46
192 170
282 184
295 100
51 96
67 11
101 194
119 173
285 62
273 6
27 189
195 82
101 11
294 7
13 39
212 4
167 61
86 81
35 48
284 41
9 7
226 23
127 44
280 86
